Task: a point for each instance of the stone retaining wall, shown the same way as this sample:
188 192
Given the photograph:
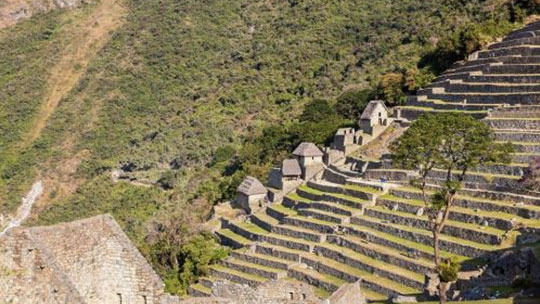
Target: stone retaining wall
351 262
300 276
322 228
259 261
390 259
285 255
234 278
502 224
513 99
321 216
254 270
460 249
460 232
309 236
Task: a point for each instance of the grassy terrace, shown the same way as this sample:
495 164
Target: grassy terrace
310 190
487 230
404 242
235 237
427 233
201 288
500 203
376 263
247 276
362 189
252 265
282 209
366 276
298 198
386 250
430 109
488 176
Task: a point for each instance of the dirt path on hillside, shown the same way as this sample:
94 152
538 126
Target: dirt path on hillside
91 34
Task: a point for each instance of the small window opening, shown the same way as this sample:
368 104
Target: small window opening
291 295
119 298
303 296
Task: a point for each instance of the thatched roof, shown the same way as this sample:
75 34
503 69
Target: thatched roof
369 111
291 167
307 149
252 186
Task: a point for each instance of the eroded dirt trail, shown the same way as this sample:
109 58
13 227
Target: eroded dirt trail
91 34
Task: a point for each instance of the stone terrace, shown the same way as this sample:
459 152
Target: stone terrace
507 73
348 226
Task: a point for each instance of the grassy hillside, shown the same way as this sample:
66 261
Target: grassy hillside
180 79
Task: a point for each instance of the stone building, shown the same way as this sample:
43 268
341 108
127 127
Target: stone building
81 262
374 119
251 194
287 176
310 159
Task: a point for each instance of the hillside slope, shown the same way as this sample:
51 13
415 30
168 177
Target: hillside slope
175 81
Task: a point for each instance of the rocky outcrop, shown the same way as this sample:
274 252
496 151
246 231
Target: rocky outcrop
13 11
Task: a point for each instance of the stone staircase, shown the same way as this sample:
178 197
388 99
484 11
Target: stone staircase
507 73
349 226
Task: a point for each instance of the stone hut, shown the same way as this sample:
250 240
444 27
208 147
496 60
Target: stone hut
286 177
374 120
83 262
345 140
374 116
310 159
251 193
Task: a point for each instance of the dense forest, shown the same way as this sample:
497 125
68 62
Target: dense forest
190 96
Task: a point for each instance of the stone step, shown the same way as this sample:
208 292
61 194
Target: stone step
230 238
479 217
473 180
365 191
261 259
256 233
489 99
491 78
524 50
324 216
522 34
412 113
340 199
471 203
254 269
515 42
405 247
483 235
350 274
199 290
366 264
454 245
381 253
315 224
208 282
514 123
527 147
298 232
516 112
236 276
524 158
312 277
470 87
502 169
334 208
443 105
516 136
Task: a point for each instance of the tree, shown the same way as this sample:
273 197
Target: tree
352 103
452 143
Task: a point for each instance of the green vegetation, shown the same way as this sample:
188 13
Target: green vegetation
188 97
455 144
